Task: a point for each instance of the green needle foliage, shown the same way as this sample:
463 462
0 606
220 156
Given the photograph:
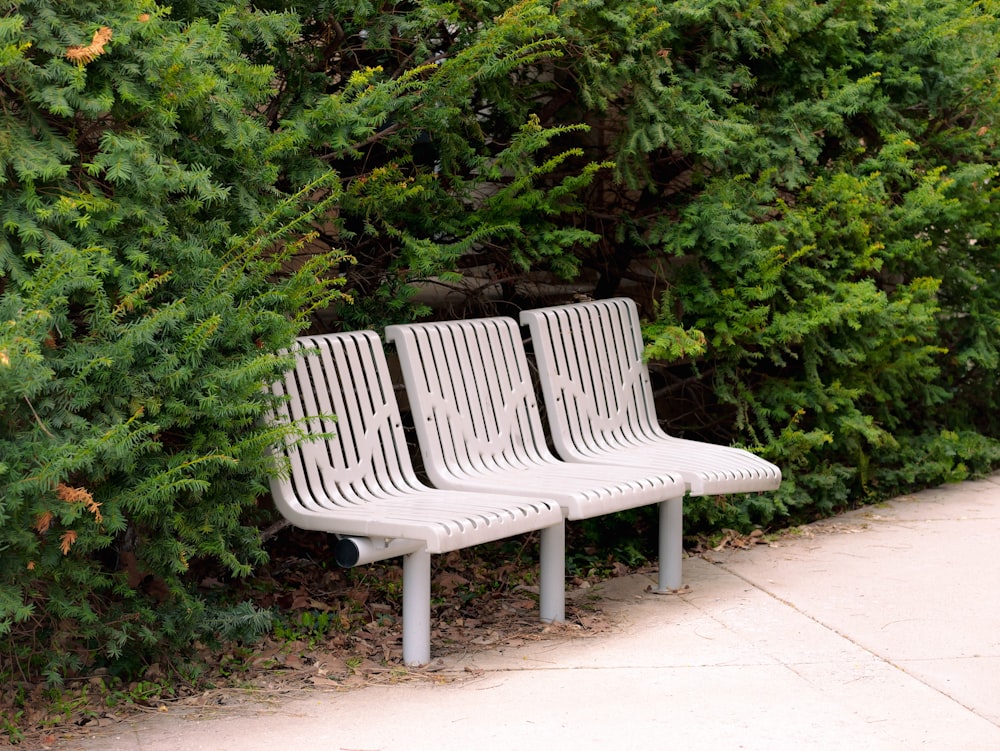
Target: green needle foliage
800 195
429 113
179 186
829 227
142 299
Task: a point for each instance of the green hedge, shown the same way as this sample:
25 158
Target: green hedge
839 250
141 306
800 195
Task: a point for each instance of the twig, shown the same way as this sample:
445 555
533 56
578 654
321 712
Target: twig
38 419
271 531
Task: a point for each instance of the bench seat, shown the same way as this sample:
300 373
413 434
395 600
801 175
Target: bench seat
599 401
478 427
350 474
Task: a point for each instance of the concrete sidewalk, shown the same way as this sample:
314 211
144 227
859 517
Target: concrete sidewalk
879 629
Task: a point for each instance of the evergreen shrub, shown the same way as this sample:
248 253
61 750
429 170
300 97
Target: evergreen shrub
801 196
177 188
839 250
144 293
802 199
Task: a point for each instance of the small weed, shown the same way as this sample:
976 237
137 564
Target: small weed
236 662
311 627
11 724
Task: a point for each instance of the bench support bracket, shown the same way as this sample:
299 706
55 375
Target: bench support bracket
352 551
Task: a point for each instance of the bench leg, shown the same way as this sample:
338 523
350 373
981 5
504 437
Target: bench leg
417 608
552 574
671 544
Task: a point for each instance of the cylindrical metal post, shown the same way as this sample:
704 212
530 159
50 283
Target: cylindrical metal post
357 551
552 574
417 608
671 544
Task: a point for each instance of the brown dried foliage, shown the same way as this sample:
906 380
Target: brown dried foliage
83 54
80 495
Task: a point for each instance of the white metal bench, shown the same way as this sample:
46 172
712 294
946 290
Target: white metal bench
599 401
360 483
479 428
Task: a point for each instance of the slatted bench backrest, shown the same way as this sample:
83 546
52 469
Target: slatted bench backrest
476 390
595 383
363 453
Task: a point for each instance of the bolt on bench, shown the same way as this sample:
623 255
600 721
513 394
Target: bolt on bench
351 475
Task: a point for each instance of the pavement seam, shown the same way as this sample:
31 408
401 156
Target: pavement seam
846 637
